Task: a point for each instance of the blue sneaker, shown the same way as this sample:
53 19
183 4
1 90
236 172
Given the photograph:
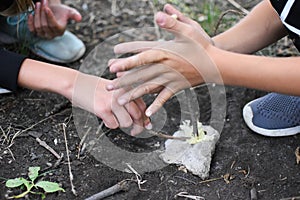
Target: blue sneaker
62 49
273 115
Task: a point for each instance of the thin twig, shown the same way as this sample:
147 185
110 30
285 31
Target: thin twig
188 196
57 108
185 179
139 179
291 198
69 163
11 153
32 126
193 111
156 27
238 6
161 135
297 154
5 136
211 180
46 146
223 15
119 187
81 145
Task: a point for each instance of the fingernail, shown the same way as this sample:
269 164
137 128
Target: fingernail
148 113
160 19
110 61
149 126
112 70
109 87
122 101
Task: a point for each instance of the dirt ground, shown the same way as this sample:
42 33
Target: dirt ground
251 161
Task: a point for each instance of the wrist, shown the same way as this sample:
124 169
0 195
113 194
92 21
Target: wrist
67 84
215 55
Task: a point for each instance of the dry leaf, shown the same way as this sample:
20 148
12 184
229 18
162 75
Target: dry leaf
226 178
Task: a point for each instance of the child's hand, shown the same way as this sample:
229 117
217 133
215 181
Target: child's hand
164 67
90 94
50 20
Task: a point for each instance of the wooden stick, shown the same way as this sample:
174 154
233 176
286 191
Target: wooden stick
119 187
291 198
211 180
222 17
161 135
238 6
193 111
46 146
69 162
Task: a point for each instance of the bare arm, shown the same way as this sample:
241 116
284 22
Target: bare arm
196 62
257 30
264 73
85 91
43 77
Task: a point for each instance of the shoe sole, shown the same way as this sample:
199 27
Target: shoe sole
42 54
248 115
4 91
7 39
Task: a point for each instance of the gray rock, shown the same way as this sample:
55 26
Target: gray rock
195 157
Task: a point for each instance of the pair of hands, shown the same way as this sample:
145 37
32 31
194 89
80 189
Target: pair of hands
90 94
165 67
159 67
50 19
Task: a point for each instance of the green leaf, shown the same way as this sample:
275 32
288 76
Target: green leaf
33 173
17 182
12 183
49 186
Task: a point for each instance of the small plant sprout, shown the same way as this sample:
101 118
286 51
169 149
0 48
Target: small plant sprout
30 185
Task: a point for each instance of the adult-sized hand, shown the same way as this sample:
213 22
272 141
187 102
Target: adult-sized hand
50 19
165 67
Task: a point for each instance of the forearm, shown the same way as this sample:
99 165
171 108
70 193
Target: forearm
257 30
264 73
47 77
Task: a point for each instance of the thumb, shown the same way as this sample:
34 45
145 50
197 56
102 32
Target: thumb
74 15
169 23
165 21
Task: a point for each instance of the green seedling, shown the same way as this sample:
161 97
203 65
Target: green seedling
30 185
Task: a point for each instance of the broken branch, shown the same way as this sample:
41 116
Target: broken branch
119 187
